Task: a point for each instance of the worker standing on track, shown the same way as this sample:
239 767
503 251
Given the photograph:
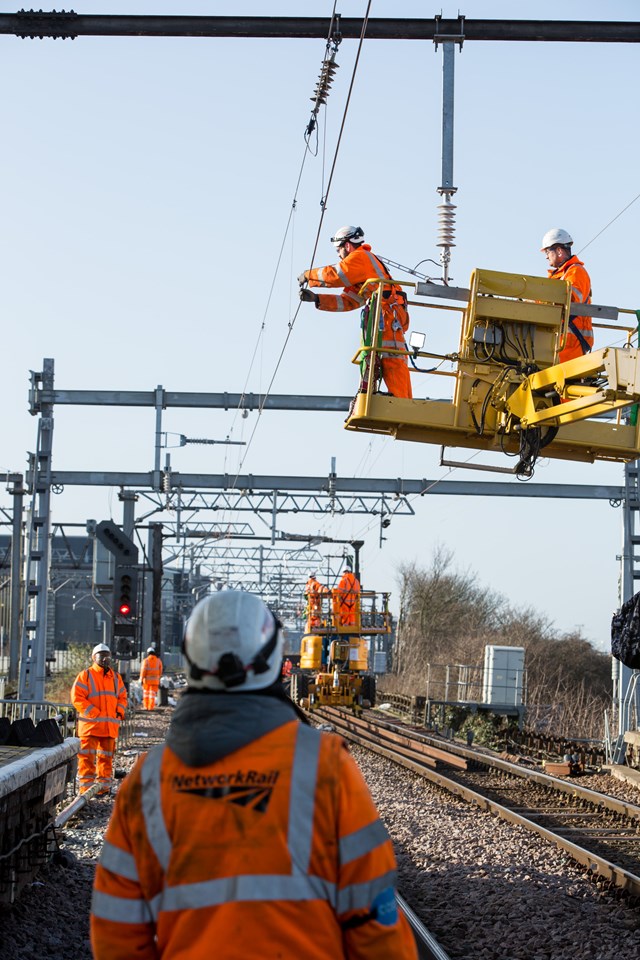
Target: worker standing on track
556 246
346 599
150 674
248 833
100 697
358 264
314 591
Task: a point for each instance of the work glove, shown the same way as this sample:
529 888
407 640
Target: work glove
120 714
308 296
303 278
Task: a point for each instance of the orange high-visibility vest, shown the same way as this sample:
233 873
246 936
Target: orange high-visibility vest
348 591
272 850
151 671
360 265
100 699
573 271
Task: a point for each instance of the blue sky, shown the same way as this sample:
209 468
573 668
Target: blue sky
147 186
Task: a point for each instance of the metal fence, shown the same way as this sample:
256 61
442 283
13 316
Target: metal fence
67 660
63 713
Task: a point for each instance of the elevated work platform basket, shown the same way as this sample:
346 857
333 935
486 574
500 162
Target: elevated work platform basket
505 380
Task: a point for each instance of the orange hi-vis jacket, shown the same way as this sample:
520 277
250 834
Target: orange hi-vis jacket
360 265
346 598
100 699
573 271
313 591
274 850
151 671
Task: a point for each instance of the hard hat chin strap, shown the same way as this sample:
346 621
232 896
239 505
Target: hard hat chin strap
230 670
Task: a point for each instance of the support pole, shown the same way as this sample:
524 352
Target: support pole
17 491
155 534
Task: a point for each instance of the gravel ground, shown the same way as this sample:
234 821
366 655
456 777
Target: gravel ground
491 891
50 921
486 890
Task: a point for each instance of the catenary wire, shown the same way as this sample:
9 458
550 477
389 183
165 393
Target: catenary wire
617 216
291 323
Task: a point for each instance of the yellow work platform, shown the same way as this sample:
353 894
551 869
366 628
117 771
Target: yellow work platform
508 391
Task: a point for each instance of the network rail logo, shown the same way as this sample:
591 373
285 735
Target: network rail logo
244 788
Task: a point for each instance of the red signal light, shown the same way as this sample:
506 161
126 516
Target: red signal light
124 609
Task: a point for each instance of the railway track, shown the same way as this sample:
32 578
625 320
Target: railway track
600 832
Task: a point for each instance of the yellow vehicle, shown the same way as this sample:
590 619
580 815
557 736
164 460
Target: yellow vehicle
334 657
508 393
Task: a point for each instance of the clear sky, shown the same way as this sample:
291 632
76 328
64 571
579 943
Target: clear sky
147 187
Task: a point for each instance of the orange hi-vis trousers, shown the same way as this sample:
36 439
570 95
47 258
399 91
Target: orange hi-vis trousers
95 763
149 695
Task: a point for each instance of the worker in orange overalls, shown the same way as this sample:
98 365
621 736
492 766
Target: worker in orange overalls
314 591
249 832
357 264
150 673
100 697
556 245
346 599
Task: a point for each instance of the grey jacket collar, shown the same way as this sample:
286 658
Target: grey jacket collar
209 726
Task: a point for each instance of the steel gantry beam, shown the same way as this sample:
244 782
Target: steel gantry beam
42 24
251 483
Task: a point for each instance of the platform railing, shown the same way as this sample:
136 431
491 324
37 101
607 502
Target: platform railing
63 713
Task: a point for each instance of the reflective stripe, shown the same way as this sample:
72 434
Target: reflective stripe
321 276
103 693
83 686
87 753
578 294
118 861
304 776
152 807
362 841
99 720
376 266
119 909
212 893
343 277
359 896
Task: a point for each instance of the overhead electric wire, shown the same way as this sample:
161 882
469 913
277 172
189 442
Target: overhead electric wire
617 216
291 323
293 207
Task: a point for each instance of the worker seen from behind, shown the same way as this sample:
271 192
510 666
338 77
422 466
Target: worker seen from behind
356 265
248 833
287 668
556 246
150 674
346 599
100 698
313 592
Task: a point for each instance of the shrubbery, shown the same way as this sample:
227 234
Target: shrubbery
448 617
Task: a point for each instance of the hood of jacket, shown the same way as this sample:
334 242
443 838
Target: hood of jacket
209 726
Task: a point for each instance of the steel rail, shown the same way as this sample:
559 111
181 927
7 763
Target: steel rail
612 804
595 864
428 946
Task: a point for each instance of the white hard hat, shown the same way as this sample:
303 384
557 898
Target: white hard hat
354 234
100 648
556 235
232 642
151 649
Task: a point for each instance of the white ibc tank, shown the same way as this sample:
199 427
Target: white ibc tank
503 675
